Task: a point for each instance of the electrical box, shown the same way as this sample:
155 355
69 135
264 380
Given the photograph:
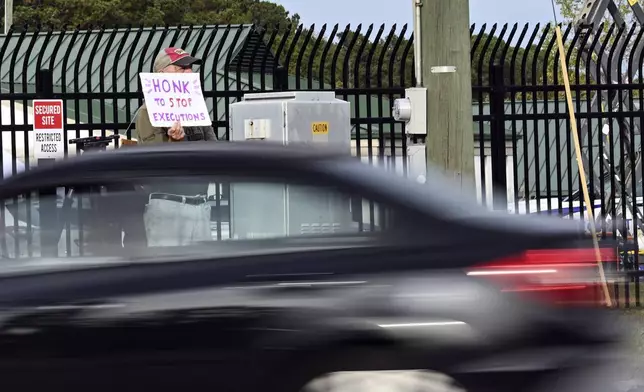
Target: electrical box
412 110
260 209
295 116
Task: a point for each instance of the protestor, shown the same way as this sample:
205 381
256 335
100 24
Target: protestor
174 215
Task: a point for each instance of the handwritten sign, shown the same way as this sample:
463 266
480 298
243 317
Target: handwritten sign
171 97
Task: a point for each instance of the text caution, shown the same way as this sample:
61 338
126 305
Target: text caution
320 128
48 128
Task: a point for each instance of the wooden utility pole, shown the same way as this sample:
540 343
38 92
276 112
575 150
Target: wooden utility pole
446 73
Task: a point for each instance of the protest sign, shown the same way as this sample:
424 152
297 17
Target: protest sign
171 97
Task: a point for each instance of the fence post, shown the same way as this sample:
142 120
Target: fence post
280 79
497 138
47 197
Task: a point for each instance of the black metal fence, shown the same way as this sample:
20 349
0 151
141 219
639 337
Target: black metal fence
521 127
95 72
519 94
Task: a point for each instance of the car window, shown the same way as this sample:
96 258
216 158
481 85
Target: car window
137 217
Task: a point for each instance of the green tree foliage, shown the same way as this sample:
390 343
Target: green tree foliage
365 57
489 49
351 56
86 13
380 57
569 9
608 37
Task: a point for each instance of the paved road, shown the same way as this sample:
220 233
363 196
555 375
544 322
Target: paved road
632 375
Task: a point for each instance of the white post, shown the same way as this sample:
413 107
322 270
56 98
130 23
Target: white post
417 4
8 15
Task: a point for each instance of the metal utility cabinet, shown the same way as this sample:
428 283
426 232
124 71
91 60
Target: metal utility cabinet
287 117
277 210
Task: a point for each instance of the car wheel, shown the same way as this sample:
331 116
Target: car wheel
383 381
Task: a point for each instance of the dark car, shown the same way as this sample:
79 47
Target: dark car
323 273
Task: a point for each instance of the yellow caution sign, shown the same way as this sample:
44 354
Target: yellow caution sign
320 128
632 2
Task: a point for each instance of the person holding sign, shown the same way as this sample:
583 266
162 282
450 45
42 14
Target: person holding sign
175 111
174 100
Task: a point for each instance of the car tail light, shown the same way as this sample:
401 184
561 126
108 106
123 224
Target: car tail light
556 276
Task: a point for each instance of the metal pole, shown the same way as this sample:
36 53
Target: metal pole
8 15
418 57
47 197
497 139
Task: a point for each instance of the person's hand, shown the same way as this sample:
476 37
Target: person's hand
176 132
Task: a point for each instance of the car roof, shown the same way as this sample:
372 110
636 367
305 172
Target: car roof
158 156
267 149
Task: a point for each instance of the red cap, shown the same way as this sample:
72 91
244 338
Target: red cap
174 56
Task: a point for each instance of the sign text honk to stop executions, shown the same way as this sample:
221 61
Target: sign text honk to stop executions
174 97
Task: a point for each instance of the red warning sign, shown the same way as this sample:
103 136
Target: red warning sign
48 114
48 126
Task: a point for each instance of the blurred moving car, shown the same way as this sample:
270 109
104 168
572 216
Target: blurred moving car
330 275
